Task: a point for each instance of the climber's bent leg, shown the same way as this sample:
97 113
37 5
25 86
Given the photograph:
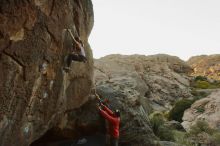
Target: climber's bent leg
67 61
73 57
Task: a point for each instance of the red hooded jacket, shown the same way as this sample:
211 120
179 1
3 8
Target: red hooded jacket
112 120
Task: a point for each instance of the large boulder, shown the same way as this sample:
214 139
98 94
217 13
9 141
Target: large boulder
34 90
207 109
135 128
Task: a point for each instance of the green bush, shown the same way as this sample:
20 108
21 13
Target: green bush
156 120
160 130
177 111
200 78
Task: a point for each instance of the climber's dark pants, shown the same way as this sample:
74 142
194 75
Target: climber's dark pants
113 141
75 57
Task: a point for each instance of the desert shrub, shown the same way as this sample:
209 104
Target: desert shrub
199 127
156 120
176 113
160 130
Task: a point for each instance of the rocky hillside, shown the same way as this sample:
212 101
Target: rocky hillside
206 66
160 79
34 90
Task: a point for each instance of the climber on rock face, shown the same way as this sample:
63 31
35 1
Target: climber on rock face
77 54
113 119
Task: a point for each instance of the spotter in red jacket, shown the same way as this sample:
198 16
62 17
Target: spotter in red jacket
112 119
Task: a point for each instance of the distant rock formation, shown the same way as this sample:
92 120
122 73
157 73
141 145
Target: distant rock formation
207 109
162 79
206 65
34 90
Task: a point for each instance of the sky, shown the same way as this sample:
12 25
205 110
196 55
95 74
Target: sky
183 28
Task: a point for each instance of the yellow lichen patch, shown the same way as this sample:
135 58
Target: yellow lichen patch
18 36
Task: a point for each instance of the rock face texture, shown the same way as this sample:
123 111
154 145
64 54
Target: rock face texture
206 66
207 109
34 90
161 79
